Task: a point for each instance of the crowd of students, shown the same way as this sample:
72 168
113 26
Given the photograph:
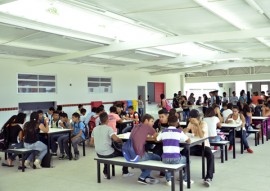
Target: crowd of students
103 129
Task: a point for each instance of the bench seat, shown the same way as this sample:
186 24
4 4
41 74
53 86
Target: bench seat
223 149
151 165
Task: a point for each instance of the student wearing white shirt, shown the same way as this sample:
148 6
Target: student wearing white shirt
49 114
200 129
226 110
213 123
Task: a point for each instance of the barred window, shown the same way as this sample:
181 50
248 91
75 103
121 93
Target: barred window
99 85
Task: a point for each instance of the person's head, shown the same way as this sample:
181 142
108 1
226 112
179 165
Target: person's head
83 111
80 106
194 114
173 121
162 96
40 114
55 116
255 93
248 93
211 93
175 95
59 108
224 94
34 117
75 117
260 101
10 121
210 112
233 93
242 93
179 93
235 110
246 109
263 93
104 119
99 110
172 112
113 109
51 110
224 105
191 94
199 98
64 117
163 116
102 106
184 98
94 109
140 97
119 108
230 106
130 109
148 120
20 119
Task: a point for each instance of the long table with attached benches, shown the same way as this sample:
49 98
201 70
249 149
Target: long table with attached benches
151 165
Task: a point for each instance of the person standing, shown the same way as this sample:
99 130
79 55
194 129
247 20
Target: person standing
140 106
234 98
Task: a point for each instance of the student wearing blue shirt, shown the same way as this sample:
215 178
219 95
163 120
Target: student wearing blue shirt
78 136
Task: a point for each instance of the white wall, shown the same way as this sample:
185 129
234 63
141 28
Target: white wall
124 84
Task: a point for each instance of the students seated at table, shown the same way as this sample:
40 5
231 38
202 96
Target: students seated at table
173 112
31 139
122 114
131 115
248 118
65 124
44 121
49 113
113 119
77 136
171 138
227 110
200 130
213 123
102 138
238 118
14 137
139 135
218 113
55 120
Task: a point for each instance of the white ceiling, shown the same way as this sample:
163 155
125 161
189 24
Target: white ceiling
179 21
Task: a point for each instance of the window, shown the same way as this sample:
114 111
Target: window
99 85
32 83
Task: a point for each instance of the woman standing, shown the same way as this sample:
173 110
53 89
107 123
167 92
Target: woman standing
243 97
140 106
31 139
165 104
185 107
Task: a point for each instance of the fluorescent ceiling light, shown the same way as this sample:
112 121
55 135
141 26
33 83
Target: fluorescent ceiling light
146 53
189 49
255 6
78 19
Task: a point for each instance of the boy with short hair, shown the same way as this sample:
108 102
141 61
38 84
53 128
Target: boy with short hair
171 138
113 119
77 135
162 122
65 124
102 137
139 135
49 114
131 115
55 124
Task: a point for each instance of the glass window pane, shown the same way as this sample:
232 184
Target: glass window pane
27 76
105 84
105 79
45 77
50 84
93 79
27 83
27 90
46 90
93 84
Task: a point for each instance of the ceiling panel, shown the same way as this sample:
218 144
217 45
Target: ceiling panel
58 41
102 61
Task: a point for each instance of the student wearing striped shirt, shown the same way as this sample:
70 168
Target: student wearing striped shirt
170 138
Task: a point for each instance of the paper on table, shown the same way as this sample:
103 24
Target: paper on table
124 136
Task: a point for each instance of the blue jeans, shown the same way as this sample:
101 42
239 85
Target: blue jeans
38 146
141 112
53 140
61 140
242 136
185 115
148 156
127 129
12 156
181 160
214 139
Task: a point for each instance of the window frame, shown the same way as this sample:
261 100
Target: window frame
100 82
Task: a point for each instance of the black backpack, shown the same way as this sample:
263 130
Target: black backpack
258 110
3 139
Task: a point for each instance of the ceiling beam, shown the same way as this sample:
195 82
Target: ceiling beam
192 59
2 2
158 42
218 66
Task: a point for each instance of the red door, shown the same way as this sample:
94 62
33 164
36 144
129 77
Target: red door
159 89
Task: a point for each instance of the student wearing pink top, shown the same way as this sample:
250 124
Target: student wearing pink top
114 118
